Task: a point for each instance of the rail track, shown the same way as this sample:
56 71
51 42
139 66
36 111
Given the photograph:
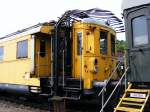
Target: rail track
39 104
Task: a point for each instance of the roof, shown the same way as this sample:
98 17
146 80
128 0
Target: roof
30 30
126 4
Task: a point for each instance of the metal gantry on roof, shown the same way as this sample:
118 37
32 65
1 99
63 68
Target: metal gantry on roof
98 14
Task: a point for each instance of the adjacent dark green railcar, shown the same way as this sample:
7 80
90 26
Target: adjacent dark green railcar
137 25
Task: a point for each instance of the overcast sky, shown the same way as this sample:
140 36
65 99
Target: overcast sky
18 14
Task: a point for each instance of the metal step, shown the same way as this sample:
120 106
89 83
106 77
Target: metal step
126 109
71 89
73 83
133 99
45 95
138 90
132 104
72 93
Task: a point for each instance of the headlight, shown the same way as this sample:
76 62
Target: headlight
95 68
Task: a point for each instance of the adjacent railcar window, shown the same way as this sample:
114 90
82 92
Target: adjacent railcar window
112 45
79 43
103 42
42 48
22 49
1 53
140 31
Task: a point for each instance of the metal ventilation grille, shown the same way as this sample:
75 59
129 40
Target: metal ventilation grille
100 14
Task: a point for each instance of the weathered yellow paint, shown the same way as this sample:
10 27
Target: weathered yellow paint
13 70
90 42
18 71
47 29
90 52
43 64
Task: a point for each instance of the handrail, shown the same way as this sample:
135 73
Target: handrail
124 75
63 67
114 71
81 68
52 80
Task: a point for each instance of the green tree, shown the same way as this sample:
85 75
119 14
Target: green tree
121 46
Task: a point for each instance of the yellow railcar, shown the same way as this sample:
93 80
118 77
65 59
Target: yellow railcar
74 60
25 59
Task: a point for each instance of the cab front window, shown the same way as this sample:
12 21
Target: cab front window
79 43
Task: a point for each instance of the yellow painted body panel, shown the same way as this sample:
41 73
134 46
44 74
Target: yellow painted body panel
90 52
16 71
47 29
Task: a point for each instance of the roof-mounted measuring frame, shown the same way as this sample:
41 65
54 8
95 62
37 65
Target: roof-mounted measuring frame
98 14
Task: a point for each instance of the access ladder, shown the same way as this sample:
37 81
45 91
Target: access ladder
133 100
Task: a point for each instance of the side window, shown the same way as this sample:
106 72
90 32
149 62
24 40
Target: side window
79 43
103 42
42 48
139 31
22 49
1 53
112 45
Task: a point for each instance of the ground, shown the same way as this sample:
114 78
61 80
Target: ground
7 106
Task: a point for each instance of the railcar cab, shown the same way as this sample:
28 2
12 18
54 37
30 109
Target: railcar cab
85 56
137 20
93 53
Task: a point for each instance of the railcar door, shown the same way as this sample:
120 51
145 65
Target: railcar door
138 39
78 53
43 55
